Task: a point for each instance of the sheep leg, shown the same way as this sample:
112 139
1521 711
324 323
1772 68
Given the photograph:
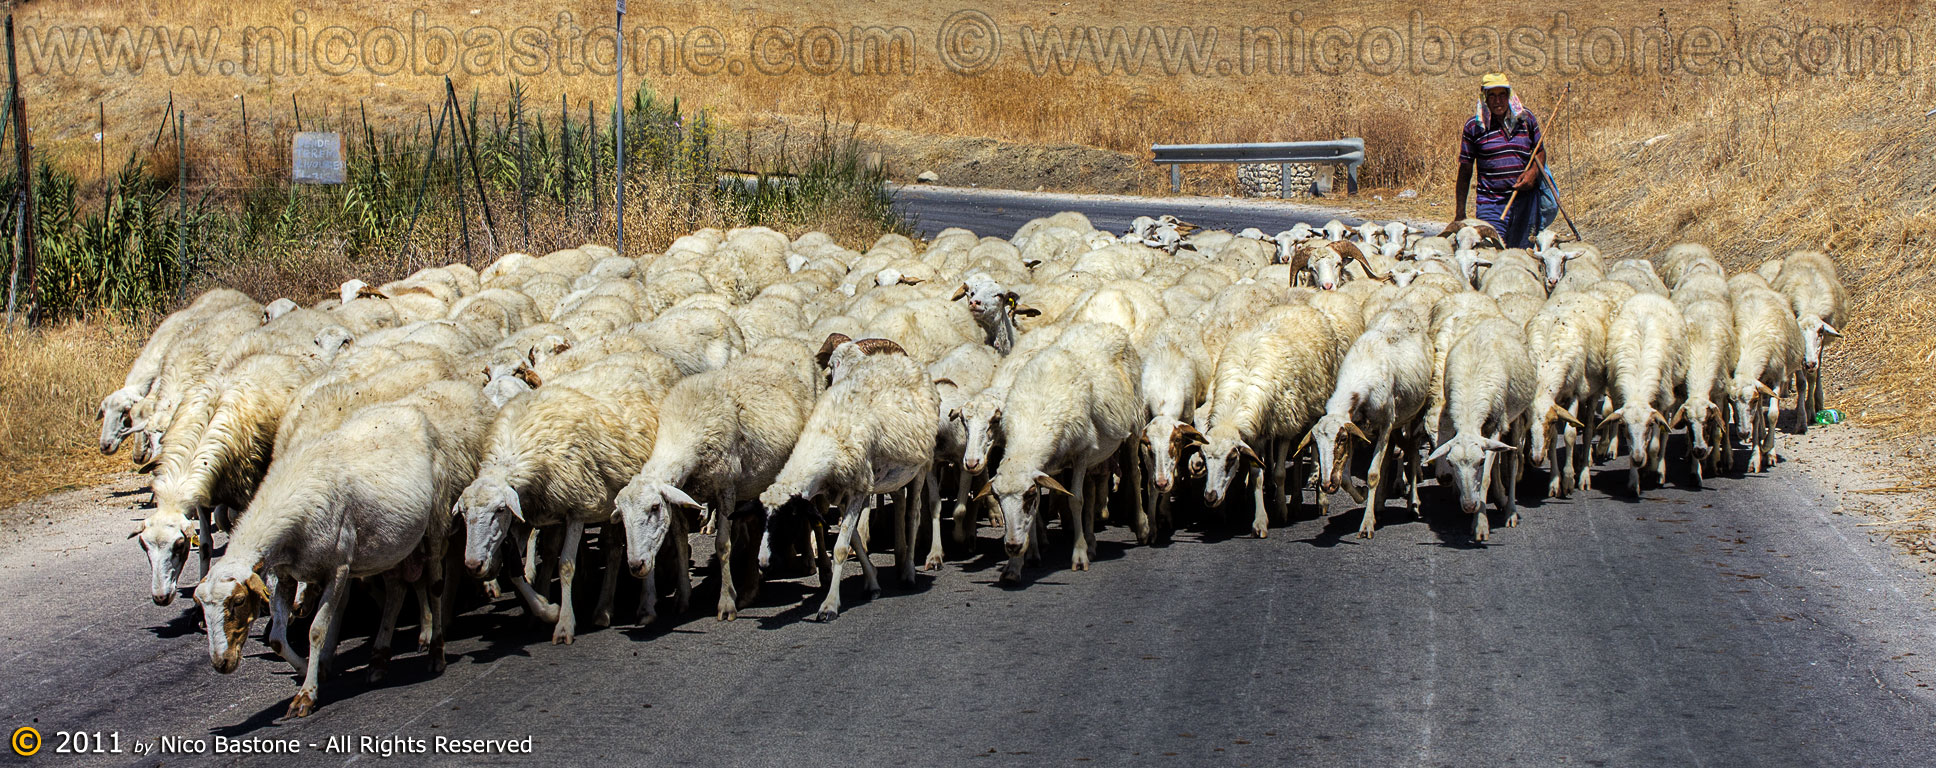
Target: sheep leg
680 536
567 625
964 510
1079 517
1814 394
386 629
1375 484
849 524
648 610
1279 493
535 604
1132 458
1772 453
322 638
437 609
907 521
281 611
931 511
207 546
610 534
728 607
1260 519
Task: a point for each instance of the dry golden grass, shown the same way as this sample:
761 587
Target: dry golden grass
51 382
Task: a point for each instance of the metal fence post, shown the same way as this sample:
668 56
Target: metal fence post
1176 178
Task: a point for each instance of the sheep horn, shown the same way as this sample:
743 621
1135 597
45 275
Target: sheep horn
833 341
1044 481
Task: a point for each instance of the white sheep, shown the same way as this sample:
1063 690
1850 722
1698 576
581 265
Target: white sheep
354 503
1809 280
1270 387
557 458
1489 384
1710 366
1077 404
723 436
871 432
1175 379
1646 364
1382 384
1768 353
147 367
1567 342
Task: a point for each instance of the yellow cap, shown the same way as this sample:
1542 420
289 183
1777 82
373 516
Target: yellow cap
1494 80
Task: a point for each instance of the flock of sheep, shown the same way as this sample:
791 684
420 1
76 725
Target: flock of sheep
770 393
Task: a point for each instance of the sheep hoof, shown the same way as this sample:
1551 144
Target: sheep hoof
302 705
933 563
826 615
1512 520
562 637
379 665
727 614
1009 576
1262 530
437 660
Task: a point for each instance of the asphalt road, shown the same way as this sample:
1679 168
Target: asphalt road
999 212
1747 624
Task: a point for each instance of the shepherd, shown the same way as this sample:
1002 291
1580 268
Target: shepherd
1502 139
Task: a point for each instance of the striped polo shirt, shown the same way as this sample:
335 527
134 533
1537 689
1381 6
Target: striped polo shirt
1500 158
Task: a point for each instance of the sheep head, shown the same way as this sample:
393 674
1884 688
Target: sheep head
1815 334
1332 437
979 417
1016 493
165 537
1223 458
1640 419
1470 458
231 597
646 509
488 506
114 417
1555 260
1168 441
278 308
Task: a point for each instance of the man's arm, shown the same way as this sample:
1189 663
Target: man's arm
1465 188
1529 178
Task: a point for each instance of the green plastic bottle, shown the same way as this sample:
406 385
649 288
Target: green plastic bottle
1828 416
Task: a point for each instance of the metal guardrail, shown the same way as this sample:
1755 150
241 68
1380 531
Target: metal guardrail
1349 153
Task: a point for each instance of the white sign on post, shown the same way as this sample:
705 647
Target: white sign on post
317 158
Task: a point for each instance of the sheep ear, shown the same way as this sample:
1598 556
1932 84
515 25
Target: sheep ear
1680 417
1567 416
1481 262
1763 389
1245 449
949 382
1303 444
1189 434
1659 419
1493 444
1610 420
1356 432
954 414
1042 480
1829 330
1023 310
136 532
907 280
1569 255
517 505
987 490
960 292
529 376
257 589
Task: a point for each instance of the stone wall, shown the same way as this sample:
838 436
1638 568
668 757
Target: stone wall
1260 179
